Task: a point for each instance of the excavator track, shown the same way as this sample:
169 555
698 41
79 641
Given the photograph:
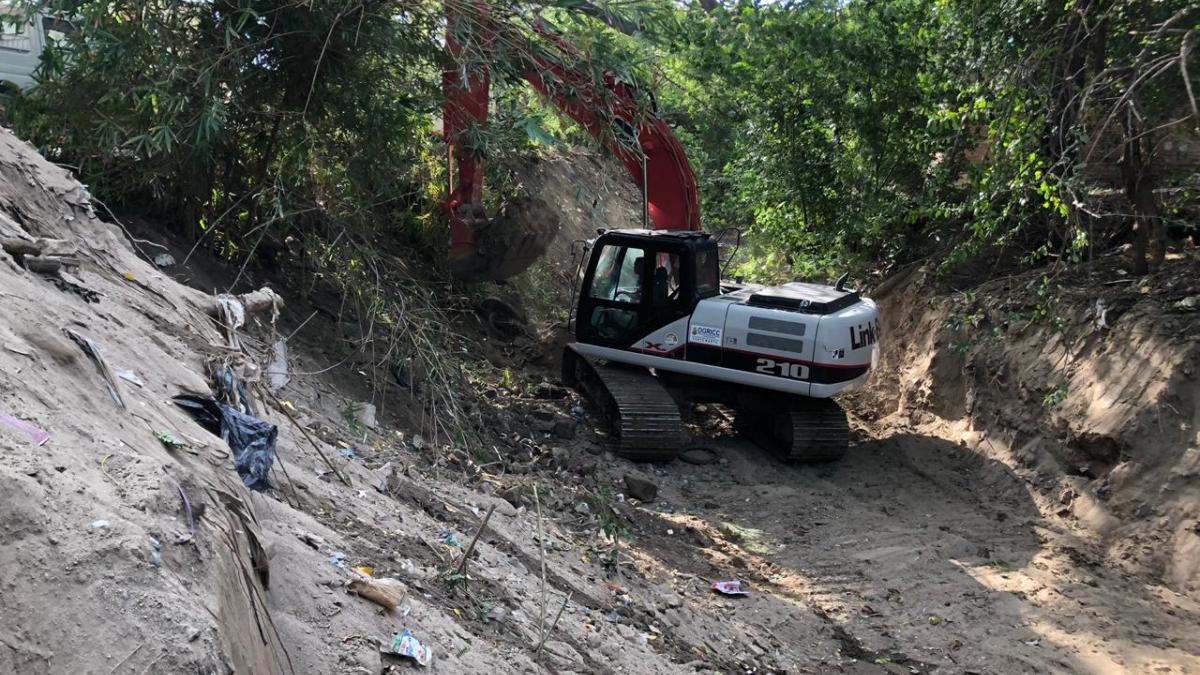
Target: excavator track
802 430
642 416
813 430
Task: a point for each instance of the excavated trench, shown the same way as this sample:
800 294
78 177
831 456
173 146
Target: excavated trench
961 532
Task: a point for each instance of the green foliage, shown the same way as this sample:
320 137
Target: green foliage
842 133
608 518
242 114
1056 396
349 414
964 328
169 441
1000 566
254 120
812 122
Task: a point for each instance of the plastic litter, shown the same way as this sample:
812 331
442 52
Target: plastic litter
164 260
130 376
338 559
251 439
735 588
169 441
277 372
407 646
387 593
348 453
38 436
232 315
231 389
450 539
99 524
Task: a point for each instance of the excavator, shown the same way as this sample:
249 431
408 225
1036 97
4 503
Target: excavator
655 328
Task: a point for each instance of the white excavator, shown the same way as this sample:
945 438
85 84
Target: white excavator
655 328
654 325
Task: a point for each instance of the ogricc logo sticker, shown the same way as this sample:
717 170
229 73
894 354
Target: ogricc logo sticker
706 335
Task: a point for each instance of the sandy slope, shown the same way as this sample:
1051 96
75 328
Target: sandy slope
100 570
925 555
915 554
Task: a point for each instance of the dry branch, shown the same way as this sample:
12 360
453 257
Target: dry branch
49 264
542 643
462 564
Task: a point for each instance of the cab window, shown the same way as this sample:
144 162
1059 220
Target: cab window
708 272
665 289
14 34
618 275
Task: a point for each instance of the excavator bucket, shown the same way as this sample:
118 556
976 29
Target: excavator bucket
503 246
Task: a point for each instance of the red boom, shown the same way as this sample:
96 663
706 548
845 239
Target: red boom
608 115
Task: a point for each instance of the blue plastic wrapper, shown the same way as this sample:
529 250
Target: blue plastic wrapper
251 439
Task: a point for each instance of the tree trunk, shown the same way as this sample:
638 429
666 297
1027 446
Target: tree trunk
1137 170
1069 80
1080 57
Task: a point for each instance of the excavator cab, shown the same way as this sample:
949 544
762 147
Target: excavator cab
638 281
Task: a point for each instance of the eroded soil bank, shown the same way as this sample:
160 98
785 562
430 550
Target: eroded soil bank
1020 497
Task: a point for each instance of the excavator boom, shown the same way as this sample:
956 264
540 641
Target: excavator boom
484 248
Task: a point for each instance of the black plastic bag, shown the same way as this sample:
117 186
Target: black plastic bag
251 439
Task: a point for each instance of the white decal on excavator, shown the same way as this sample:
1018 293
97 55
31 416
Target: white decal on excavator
706 335
795 371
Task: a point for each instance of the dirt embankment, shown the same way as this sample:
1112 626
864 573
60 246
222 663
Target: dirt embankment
128 544
1086 387
100 568
980 522
588 193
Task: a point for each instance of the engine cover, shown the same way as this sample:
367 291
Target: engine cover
800 338
805 338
